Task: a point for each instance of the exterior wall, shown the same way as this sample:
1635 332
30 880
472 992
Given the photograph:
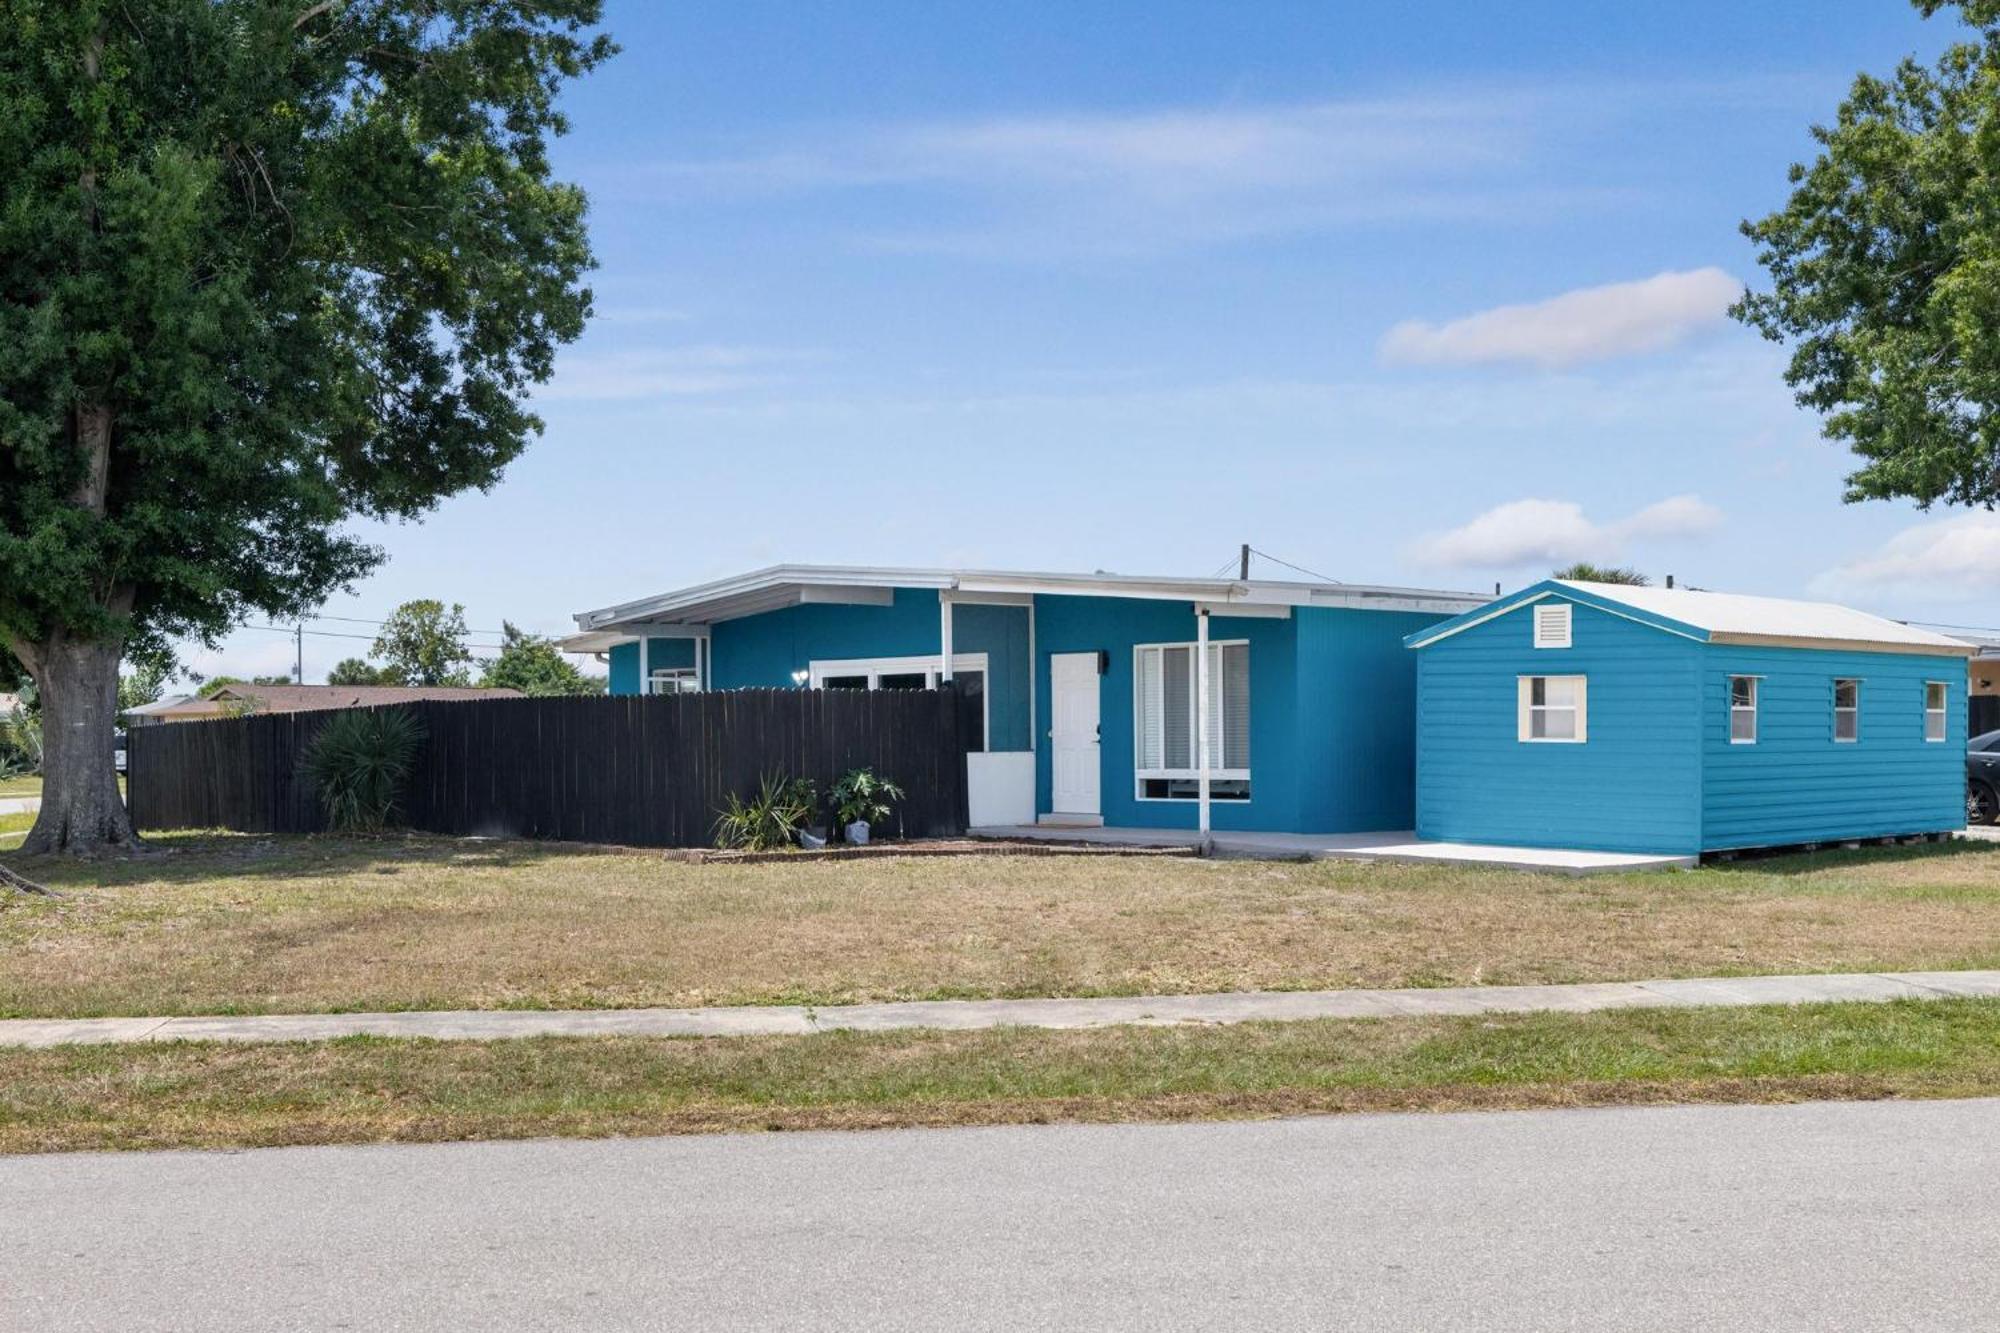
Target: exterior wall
763 651
624 663
1634 785
1356 720
1114 625
1796 784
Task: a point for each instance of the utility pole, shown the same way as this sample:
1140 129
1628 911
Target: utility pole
299 653
1243 563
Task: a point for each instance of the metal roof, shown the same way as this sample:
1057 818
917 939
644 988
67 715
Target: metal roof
1723 617
791 585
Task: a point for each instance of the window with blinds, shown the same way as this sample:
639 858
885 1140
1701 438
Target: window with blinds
1166 719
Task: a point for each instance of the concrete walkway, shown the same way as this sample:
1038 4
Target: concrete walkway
20 805
962 1015
1395 845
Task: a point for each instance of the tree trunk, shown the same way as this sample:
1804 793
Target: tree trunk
82 812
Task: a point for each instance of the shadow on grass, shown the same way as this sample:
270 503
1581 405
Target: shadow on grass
1838 858
186 857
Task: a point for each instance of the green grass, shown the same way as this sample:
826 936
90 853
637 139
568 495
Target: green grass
13 828
215 1095
27 786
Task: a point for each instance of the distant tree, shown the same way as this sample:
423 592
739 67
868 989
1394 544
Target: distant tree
534 665
142 685
1585 572
423 643
214 685
269 269
1885 274
355 671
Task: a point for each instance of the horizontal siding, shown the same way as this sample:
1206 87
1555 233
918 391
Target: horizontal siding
1797 784
1633 786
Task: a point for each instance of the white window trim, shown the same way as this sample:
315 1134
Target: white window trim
662 674
1756 702
1943 713
1140 776
1567 619
1839 739
1524 710
927 665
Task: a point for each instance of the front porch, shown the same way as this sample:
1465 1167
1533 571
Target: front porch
1397 845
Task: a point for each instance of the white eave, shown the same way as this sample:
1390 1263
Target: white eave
781 586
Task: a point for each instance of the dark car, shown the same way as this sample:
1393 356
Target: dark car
1982 779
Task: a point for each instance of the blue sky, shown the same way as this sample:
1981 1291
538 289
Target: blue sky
1400 293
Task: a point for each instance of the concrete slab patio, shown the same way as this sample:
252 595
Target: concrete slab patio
1395 845
966 1015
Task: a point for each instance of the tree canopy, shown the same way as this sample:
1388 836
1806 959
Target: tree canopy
356 671
266 267
1585 572
423 643
534 665
1885 273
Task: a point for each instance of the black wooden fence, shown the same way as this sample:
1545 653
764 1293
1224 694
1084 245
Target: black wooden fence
649 771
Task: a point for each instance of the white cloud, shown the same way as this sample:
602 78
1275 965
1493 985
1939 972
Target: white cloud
1556 532
1952 559
1589 324
1116 183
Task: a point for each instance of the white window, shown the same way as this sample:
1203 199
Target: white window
1847 710
1554 710
1742 710
1164 726
674 680
968 676
1937 698
1552 625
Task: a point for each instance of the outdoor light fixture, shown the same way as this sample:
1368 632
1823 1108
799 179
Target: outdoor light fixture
800 677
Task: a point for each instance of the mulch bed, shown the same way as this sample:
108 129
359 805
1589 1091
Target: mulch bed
926 847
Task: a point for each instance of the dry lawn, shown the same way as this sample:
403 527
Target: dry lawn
250 925
358 1091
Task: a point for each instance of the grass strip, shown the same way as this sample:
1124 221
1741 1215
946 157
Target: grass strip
364 1090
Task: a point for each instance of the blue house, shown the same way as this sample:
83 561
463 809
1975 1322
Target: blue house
1627 719
1092 685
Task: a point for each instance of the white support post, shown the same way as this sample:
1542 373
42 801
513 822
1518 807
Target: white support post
1202 758
645 665
944 636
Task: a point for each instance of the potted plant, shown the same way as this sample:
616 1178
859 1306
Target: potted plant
860 801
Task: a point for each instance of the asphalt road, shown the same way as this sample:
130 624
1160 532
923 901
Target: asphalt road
1875 1216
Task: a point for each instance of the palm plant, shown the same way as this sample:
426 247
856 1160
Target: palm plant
359 762
770 819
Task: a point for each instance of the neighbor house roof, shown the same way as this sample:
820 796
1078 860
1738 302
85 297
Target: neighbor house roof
792 585
1722 617
314 698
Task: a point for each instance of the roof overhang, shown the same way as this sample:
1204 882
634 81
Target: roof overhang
782 586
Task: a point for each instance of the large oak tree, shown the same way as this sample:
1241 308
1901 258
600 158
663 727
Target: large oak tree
1885 273
266 267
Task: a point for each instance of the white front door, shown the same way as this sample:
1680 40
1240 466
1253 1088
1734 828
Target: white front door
1073 688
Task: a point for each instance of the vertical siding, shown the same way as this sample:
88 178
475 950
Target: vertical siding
1796 784
1634 785
1114 625
1357 719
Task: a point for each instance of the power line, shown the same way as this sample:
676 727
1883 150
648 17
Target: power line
1299 569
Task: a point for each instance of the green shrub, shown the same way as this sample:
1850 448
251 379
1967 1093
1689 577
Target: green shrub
770 819
360 761
862 795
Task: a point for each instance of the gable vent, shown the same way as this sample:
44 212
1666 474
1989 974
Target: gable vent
1552 625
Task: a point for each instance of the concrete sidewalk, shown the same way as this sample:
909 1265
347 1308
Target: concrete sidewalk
20 805
963 1015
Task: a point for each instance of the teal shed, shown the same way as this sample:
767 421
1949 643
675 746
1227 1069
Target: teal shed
1678 721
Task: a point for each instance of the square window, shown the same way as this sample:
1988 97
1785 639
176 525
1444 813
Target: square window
1553 709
